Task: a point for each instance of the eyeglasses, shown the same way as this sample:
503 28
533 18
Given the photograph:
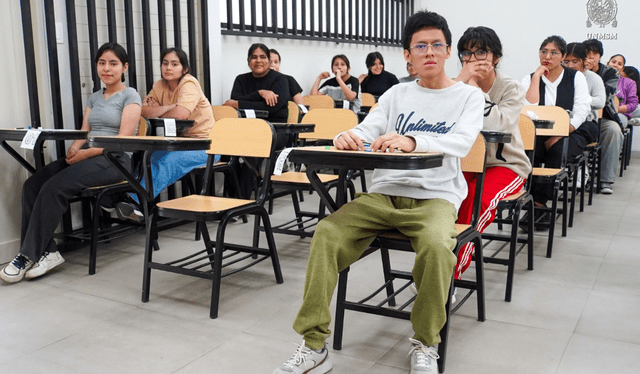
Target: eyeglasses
544 52
421 48
480 55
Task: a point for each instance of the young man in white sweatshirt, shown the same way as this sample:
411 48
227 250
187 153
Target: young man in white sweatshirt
434 114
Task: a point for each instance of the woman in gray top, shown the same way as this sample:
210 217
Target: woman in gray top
114 111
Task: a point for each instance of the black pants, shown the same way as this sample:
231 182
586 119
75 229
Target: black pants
46 195
552 158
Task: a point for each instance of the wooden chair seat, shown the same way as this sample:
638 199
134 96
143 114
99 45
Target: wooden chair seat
546 172
296 177
202 204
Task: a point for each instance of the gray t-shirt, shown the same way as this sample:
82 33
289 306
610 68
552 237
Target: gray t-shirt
106 114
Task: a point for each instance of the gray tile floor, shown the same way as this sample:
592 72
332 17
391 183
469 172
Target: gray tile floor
575 313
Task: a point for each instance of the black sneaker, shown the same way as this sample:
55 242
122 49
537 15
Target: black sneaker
129 210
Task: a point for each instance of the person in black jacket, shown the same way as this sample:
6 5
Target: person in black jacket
378 80
262 88
611 136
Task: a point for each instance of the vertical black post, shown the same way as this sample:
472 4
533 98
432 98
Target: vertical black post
74 63
146 36
93 41
313 19
191 30
284 17
54 73
274 16
111 21
229 15
30 58
304 18
254 26
177 32
162 24
294 16
241 14
264 16
320 28
206 61
131 43
328 15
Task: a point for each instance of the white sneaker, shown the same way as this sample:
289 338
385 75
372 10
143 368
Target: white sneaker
413 289
14 272
423 358
605 188
47 262
306 361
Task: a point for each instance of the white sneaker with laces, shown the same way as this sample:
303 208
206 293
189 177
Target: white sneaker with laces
47 262
605 188
423 358
306 361
14 272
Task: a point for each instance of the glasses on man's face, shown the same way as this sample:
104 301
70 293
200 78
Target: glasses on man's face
480 55
554 53
421 48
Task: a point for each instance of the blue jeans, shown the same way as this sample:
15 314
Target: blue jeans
168 167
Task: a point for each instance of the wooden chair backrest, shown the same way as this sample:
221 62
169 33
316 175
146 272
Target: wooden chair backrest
248 137
554 113
373 107
329 123
368 99
318 101
527 132
223 111
294 112
142 127
474 161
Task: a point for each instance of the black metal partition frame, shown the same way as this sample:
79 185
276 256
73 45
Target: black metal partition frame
137 14
377 22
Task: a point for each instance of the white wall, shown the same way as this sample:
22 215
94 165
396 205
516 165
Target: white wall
14 114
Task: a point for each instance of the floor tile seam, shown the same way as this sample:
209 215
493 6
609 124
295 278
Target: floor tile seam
45 360
600 338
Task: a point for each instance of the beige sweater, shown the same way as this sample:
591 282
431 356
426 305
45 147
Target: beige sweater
502 109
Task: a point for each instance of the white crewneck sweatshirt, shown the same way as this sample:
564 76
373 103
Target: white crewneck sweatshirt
444 120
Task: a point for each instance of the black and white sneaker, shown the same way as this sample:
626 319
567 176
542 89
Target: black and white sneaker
306 361
14 272
129 210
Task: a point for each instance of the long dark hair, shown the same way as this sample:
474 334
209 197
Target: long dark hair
117 50
633 74
182 56
371 60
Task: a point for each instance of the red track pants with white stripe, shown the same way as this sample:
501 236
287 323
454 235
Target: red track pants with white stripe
499 182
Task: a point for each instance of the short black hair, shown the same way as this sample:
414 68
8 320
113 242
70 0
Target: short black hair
578 50
343 58
424 20
480 37
558 41
255 46
371 59
594 45
182 56
117 50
